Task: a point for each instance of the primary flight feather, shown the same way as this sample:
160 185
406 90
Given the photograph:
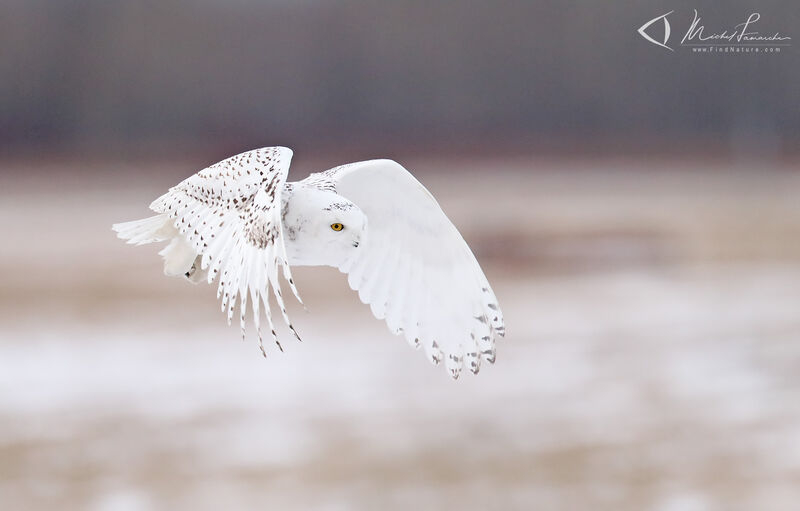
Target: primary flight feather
240 222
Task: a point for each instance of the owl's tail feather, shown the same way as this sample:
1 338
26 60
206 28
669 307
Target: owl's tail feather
147 230
179 256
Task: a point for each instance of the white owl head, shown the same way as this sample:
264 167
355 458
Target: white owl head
322 227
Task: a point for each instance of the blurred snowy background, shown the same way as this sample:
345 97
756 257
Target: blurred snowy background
646 254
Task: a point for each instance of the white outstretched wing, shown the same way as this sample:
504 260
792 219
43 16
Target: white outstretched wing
230 213
415 270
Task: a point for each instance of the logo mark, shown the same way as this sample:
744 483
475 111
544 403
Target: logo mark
643 28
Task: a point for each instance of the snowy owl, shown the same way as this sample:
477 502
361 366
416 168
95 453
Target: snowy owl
241 222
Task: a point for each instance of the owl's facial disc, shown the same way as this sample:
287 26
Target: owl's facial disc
347 222
322 228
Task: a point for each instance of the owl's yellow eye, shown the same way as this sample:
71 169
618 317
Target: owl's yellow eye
337 226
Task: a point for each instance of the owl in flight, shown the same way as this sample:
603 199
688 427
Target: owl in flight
240 222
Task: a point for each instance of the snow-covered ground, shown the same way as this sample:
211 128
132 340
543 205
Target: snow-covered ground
651 360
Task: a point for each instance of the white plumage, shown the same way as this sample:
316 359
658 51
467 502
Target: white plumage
240 220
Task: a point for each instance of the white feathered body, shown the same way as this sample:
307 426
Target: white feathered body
307 235
240 220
